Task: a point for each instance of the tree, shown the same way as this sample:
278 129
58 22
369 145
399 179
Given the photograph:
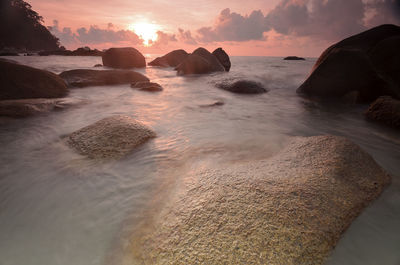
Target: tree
21 28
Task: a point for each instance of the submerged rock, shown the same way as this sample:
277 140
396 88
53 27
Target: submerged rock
147 86
385 110
20 81
123 58
294 58
85 77
289 209
200 61
215 104
173 59
98 65
243 87
223 58
112 137
367 63
20 108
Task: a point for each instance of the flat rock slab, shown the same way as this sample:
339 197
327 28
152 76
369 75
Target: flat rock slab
289 209
19 108
85 77
112 137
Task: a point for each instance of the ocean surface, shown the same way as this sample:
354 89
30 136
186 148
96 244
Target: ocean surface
59 208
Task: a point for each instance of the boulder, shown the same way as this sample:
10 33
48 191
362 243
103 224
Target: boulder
294 58
147 86
365 63
86 77
98 65
200 61
20 81
386 110
243 87
223 58
112 137
123 58
173 59
289 209
20 108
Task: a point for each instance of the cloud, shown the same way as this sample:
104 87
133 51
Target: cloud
235 27
163 39
383 11
186 37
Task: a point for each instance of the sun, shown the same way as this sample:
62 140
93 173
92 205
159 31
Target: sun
146 31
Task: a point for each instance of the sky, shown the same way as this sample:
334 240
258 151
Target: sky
251 27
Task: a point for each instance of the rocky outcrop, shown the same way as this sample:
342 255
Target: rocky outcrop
294 58
289 209
223 58
200 61
112 137
243 87
86 77
20 81
124 58
365 63
173 59
83 51
385 110
147 86
20 108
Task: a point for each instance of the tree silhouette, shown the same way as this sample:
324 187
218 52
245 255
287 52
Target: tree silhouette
21 28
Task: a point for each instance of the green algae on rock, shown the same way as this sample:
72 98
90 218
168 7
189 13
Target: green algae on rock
289 209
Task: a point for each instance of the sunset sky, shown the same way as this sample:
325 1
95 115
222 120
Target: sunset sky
252 27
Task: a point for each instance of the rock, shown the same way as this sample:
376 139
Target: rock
98 65
20 108
243 87
123 58
365 62
294 58
223 58
112 137
9 54
147 86
215 104
386 110
289 209
173 59
200 61
20 81
85 77
83 51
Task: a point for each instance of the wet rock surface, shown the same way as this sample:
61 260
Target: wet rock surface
243 87
385 110
124 58
289 209
173 59
223 58
200 61
147 86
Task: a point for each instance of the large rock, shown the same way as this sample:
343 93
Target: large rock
173 59
223 58
123 58
147 86
112 137
289 209
86 77
20 81
365 63
200 61
243 87
20 108
386 110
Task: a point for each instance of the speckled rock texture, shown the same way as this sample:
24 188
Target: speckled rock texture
386 110
289 209
112 137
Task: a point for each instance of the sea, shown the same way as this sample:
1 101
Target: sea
60 208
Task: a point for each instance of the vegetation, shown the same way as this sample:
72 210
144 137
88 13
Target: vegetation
21 28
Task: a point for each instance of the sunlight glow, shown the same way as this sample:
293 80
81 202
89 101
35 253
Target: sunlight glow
146 31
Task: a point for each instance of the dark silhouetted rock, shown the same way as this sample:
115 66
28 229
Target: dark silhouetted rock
83 51
223 58
386 110
112 137
366 63
20 81
294 58
173 59
147 86
215 104
19 108
200 61
9 54
98 65
243 87
290 209
123 58
85 77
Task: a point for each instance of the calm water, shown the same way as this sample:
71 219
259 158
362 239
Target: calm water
58 208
